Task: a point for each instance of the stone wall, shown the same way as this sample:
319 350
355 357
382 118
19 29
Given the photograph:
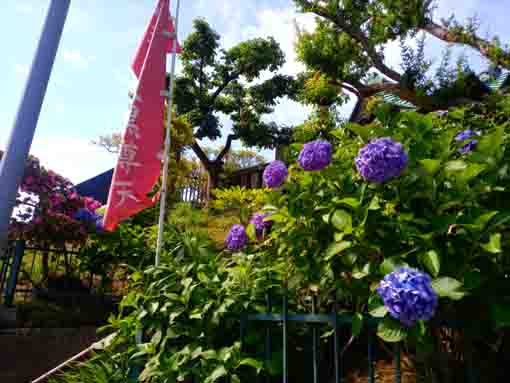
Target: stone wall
26 354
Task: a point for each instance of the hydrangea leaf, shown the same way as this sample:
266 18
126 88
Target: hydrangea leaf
455 166
357 324
336 248
500 314
251 232
494 244
391 331
430 165
447 287
216 374
342 220
431 261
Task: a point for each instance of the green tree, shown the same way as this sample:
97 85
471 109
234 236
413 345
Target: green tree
237 159
216 81
347 49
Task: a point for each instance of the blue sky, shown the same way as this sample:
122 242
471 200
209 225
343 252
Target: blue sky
87 95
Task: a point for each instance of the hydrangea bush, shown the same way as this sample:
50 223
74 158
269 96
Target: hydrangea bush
407 223
50 212
400 229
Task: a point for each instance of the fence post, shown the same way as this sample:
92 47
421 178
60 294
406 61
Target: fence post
19 251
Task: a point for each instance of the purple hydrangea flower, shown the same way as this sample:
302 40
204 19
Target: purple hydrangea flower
469 147
408 295
236 238
315 155
260 225
275 174
99 223
466 135
381 160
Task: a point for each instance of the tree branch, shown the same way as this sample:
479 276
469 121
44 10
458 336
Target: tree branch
359 36
227 147
200 154
498 55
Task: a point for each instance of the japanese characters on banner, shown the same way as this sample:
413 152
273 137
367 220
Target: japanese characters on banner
139 162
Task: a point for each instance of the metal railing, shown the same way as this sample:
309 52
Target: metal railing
340 324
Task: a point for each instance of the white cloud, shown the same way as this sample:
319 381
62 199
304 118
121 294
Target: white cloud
280 23
76 58
73 158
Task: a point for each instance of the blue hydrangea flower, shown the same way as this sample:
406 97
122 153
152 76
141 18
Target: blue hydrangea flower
381 160
236 238
466 135
274 174
260 225
315 155
84 215
408 295
99 223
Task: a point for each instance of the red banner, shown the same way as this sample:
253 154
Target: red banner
139 162
141 53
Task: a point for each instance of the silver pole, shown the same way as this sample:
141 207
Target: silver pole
12 165
166 159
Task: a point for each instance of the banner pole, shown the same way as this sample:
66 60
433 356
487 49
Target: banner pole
167 153
12 165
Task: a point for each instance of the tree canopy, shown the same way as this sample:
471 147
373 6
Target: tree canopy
218 81
348 49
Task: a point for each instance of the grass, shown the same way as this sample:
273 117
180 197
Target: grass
216 223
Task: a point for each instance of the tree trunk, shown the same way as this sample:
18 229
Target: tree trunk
214 169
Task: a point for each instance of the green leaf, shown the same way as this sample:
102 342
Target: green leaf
391 331
471 171
216 374
455 166
379 312
357 324
156 338
209 354
376 306
448 288
482 220
500 314
278 218
374 204
494 245
390 264
352 202
431 261
258 365
342 220
251 232
336 248
430 165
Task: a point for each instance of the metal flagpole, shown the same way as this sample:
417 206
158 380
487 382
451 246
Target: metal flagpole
12 165
166 160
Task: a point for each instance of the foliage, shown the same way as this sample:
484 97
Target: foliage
237 159
128 246
184 307
244 201
445 215
336 236
217 81
362 29
102 368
